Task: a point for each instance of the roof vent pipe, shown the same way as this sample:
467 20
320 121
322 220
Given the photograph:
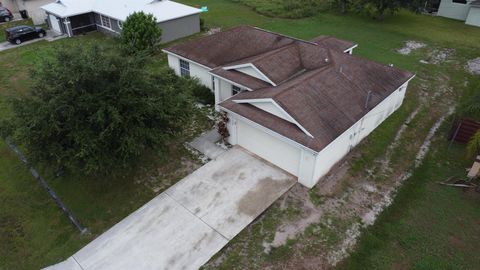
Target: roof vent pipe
369 96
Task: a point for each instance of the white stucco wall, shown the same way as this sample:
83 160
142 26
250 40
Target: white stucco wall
224 90
274 148
32 7
336 150
12 5
196 70
268 147
307 165
252 72
473 17
453 10
272 109
37 14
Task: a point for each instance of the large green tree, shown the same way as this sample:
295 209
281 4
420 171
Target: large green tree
140 33
91 109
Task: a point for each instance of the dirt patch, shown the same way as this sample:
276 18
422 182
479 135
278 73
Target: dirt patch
410 46
358 206
213 30
265 192
456 242
439 56
164 176
473 66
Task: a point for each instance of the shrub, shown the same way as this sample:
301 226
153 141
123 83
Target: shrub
140 33
473 146
203 94
91 110
202 25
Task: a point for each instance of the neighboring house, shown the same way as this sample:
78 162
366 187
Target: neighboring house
465 10
31 6
73 17
301 105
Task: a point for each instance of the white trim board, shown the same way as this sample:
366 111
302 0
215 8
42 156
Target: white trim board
231 82
270 132
254 68
289 117
186 59
351 48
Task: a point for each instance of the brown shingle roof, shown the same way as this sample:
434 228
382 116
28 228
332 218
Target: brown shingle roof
325 100
317 84
250 82
333 43
230 46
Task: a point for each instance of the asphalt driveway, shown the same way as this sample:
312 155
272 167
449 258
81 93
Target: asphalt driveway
186 225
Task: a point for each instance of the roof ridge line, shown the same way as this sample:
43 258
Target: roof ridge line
283 35
265 54
314 73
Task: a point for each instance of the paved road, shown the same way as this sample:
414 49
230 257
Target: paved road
186 225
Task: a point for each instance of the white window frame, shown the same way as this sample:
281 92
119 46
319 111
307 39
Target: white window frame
120 24
185 68
109 22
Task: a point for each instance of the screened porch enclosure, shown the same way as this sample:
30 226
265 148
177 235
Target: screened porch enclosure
83 23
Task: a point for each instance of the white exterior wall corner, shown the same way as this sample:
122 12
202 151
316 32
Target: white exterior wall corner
452 10
273 150
196 70
298 160
276 149
340 147
180 27
473 17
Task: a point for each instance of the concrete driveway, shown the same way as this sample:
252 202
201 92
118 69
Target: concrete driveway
50 36
186 225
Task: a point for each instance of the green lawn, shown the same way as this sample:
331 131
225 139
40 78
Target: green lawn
34 233
429 226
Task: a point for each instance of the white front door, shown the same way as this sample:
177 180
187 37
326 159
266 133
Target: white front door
54 23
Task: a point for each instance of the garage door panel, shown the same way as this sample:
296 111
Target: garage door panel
269 148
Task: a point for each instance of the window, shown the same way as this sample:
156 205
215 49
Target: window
213 83
460 1
184 68
235 90
120 24
105 22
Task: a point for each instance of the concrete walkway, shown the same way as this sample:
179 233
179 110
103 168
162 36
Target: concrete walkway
206 144
186 225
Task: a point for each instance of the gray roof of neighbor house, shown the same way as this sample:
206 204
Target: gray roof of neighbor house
324 89
162 10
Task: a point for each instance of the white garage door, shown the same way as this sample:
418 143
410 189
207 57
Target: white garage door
54 23
268 147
